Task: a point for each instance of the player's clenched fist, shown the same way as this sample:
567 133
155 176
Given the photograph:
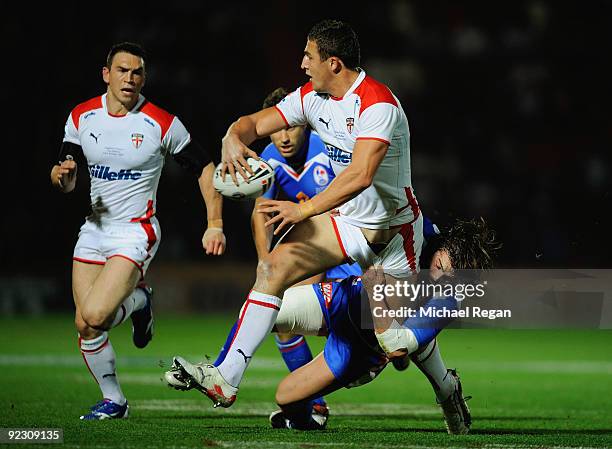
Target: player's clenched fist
63 176
213 241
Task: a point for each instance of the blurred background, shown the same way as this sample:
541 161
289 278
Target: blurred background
508 104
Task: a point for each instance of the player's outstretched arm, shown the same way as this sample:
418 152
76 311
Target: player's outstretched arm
358 176
213 240
63 176
262 235
243 132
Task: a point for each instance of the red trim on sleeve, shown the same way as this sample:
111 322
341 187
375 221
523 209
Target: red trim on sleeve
338 237
282 115
163 118
374 138
372 92
86 106
305 89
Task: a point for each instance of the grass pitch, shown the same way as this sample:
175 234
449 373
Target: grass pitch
529 388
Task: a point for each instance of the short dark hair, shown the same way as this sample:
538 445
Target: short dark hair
275 97
470 244
336 38
125 47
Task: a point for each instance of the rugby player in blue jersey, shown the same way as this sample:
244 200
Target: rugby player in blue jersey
352 356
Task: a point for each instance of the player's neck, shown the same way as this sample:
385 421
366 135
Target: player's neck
343 83
115 107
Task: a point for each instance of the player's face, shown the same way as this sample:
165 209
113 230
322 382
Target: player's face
125 78
318 71
289 141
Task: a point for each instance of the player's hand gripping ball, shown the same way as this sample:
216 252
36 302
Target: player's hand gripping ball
259 182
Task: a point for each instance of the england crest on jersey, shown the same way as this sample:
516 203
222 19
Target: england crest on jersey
320 175
350 122
137 139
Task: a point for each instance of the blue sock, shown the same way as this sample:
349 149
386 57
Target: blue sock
226 345
296 353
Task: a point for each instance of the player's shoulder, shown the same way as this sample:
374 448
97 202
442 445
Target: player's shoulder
306 89
371 92
90 105
159 115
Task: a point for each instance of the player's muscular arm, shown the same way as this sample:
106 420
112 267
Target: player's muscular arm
358 176
63 176
243 132
262 235
213 240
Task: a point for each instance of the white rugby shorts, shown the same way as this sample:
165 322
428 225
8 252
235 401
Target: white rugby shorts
400 258
136 242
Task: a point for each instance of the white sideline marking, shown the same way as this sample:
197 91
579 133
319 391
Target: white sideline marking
157 379
276 364
261 363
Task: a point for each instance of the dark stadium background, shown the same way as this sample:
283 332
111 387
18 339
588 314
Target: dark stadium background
508 104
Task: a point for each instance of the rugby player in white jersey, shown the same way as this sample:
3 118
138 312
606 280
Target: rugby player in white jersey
379 222
124 139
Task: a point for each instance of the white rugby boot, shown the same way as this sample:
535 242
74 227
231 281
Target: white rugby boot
203 377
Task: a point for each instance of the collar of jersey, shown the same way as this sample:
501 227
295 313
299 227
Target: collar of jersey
319 158
136 108
360 78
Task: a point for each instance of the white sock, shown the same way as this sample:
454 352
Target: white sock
431 364
257 317
99 357
135 301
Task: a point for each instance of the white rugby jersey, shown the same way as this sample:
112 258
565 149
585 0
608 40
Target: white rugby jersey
125 154
368 110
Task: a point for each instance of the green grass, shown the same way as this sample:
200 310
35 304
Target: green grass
529 388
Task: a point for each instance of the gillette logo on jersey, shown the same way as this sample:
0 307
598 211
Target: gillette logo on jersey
338 155
104 172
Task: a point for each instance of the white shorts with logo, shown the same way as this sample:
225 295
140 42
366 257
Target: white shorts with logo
136 242
399 258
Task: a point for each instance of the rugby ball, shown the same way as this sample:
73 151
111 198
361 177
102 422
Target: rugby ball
259 182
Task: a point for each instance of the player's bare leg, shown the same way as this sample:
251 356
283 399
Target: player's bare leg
99 291
305 382
109 289
295 393
309 248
